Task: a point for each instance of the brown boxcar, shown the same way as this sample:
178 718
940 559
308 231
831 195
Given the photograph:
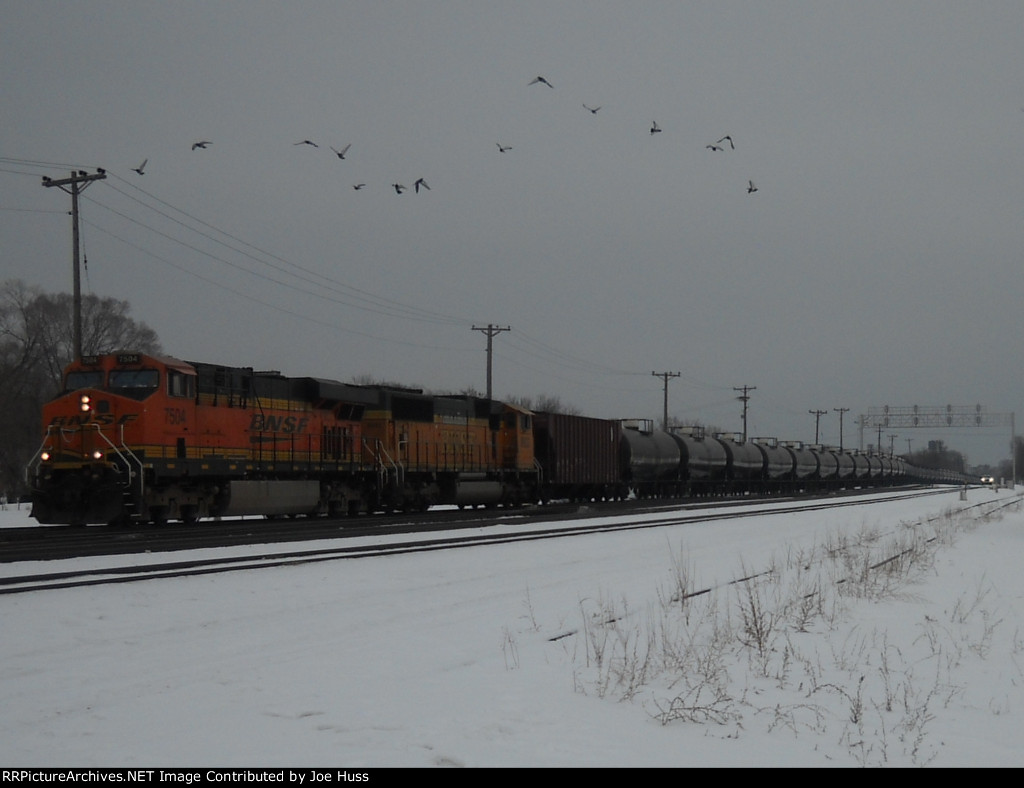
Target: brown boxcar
578 456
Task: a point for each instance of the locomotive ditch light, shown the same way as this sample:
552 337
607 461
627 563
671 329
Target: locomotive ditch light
97 454
45 456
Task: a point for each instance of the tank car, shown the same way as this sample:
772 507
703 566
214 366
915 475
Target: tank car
845 466
704 459
876 469
861 467
779 465
746 464
898 469
828 467
805 466
651 460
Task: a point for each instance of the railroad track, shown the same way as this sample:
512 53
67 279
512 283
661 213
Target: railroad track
592 522
51 543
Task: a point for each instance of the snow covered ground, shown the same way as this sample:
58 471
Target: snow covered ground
574 652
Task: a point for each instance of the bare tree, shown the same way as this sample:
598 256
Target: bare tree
36 343
545 403
106 327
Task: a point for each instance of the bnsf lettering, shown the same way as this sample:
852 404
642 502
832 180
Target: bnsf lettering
102 419
176 416
285 424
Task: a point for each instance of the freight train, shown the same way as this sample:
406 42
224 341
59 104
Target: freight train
144 438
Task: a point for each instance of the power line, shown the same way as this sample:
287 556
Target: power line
393 308
269 304
323 287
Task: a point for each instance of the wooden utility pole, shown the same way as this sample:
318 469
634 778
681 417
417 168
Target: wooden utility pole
74 186
744 398
665 377
491 331
817 418
841 411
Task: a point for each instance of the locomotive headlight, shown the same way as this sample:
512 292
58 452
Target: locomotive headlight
86 403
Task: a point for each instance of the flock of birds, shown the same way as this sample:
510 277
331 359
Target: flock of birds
339 152
716 146
655 129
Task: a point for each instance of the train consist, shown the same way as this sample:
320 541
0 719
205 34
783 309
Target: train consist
143 438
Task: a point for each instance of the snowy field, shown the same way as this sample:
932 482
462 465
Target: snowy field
574 652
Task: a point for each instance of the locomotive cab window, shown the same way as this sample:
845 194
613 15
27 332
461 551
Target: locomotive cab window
90 379
180 385
134 383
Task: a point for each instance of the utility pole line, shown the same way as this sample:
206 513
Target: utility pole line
74 186
744 398
491 331
817 418
841 411
665 377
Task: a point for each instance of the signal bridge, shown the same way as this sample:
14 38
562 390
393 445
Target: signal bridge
939 417
932 417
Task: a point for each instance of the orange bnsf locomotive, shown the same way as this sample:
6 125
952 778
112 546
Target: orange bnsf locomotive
135 437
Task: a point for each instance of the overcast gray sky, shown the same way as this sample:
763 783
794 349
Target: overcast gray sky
879 262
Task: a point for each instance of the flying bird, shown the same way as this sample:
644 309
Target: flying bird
713 147
307 142
399 188
341 153
201 144
140 167
726 137
358 186
751 188
541 80
654 128
503 148
422 183
591 110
